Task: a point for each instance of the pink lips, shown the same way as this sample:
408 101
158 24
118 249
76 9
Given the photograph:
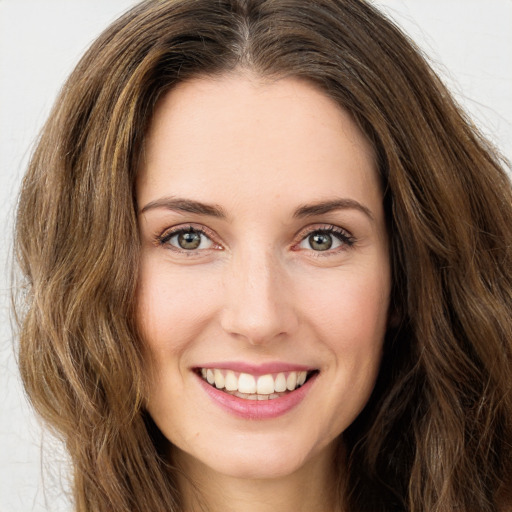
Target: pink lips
256 409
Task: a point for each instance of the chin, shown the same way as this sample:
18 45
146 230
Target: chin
264 466
267 457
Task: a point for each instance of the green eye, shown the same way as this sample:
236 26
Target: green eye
320 241
189 240
327 239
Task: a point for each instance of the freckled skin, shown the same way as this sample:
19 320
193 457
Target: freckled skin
256 290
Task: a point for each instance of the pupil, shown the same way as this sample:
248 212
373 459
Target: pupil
320 241
189 240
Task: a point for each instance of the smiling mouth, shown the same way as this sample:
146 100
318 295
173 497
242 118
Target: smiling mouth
252 387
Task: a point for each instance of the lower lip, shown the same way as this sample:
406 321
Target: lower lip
258 409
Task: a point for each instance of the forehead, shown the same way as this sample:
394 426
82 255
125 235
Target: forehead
238 138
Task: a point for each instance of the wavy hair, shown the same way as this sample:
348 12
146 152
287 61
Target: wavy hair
436 435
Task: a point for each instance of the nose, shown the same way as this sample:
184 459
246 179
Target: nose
258 300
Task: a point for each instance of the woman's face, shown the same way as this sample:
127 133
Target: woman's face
264 262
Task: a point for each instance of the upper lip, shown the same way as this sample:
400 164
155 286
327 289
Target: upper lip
257 369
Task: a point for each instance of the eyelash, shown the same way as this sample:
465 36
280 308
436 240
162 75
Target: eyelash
346 239
165 237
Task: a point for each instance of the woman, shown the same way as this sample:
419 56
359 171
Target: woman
267 266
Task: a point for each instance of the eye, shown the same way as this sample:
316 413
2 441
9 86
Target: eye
188 239
326 239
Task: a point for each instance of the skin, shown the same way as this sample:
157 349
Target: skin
255 290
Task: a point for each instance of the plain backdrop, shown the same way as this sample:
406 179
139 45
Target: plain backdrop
469 43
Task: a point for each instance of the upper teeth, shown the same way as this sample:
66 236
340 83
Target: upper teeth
251 384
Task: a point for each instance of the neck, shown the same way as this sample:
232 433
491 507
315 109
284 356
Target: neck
311 488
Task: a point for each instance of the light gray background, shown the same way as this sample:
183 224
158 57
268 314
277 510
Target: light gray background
469 43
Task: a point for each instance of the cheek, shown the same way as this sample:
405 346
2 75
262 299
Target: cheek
349 301
172 305
349 313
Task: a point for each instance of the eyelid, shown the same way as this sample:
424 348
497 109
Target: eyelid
162 238
343 234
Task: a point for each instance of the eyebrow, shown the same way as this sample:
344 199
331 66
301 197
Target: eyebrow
213 210
185 205
323 207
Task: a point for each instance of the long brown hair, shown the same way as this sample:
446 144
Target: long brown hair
437 432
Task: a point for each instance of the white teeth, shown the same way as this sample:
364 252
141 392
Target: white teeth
231 382
280 384
219 379
246 383
291 381
265 385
